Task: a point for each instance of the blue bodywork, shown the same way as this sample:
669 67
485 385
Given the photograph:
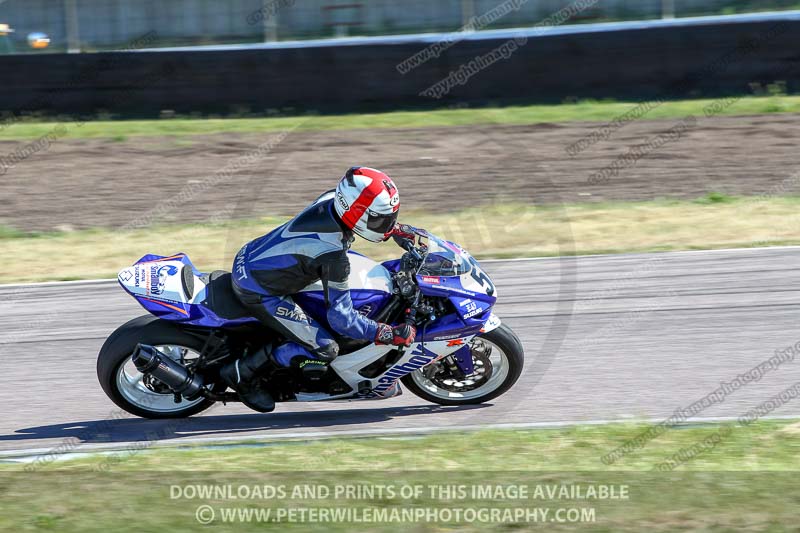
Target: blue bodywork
170 304
468 289
455 325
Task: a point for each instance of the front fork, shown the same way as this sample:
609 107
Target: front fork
460 362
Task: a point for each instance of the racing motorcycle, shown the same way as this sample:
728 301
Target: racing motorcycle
166 364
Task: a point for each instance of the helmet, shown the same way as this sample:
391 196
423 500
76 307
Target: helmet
368 202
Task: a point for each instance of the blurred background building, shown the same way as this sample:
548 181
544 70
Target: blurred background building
92 25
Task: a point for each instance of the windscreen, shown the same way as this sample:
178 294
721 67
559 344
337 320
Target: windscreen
440 257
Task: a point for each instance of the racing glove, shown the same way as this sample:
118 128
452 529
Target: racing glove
402 335
403 236
404 231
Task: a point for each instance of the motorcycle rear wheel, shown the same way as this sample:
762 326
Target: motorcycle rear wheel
127 387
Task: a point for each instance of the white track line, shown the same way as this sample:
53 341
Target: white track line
27 455
509 260
57 283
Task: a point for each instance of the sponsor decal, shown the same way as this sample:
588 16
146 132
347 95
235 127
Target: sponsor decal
394 200
238 264
473 313
458 291
307 362
472 309
419 358
492 323
295 314
138 276
125 275
342 202
456 342
158 277
365 309
168 306
446 337
465 302
430 279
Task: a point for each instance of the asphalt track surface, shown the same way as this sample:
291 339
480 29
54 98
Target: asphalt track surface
606 337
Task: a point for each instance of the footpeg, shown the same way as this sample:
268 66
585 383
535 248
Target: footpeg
364 387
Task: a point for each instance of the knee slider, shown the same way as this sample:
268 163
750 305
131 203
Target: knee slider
328 352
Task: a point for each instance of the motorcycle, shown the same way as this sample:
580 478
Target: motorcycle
166 364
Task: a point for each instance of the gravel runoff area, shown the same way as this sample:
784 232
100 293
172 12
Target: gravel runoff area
142 180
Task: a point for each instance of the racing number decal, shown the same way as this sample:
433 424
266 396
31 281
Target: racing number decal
481 277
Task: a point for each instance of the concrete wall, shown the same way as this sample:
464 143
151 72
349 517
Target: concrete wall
664 61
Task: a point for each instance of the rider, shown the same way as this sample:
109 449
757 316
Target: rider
309 248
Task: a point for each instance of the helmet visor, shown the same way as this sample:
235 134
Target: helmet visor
381 223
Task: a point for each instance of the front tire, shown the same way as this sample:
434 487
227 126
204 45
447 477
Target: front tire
127 387
507 360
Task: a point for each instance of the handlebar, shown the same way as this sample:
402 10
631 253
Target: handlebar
406 284
411 316
407 245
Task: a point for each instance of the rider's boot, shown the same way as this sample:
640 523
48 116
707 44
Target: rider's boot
242 376
313 364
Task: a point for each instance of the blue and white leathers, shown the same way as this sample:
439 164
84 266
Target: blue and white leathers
309 248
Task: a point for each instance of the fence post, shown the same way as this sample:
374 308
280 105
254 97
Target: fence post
270 21
467 11
667 9
71 19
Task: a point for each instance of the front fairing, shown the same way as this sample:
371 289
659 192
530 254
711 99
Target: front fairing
450 271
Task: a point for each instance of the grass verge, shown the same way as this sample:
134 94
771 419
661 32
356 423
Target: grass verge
601 111
747 479
499 231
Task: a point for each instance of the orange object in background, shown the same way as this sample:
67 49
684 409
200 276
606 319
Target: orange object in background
38 40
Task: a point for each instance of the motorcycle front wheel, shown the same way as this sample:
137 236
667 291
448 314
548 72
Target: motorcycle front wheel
498 360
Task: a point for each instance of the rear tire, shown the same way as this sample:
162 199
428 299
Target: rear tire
510 346
116 353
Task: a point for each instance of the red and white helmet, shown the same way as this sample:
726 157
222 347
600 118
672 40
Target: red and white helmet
368 202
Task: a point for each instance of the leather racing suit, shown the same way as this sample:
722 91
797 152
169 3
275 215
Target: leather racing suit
310 247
